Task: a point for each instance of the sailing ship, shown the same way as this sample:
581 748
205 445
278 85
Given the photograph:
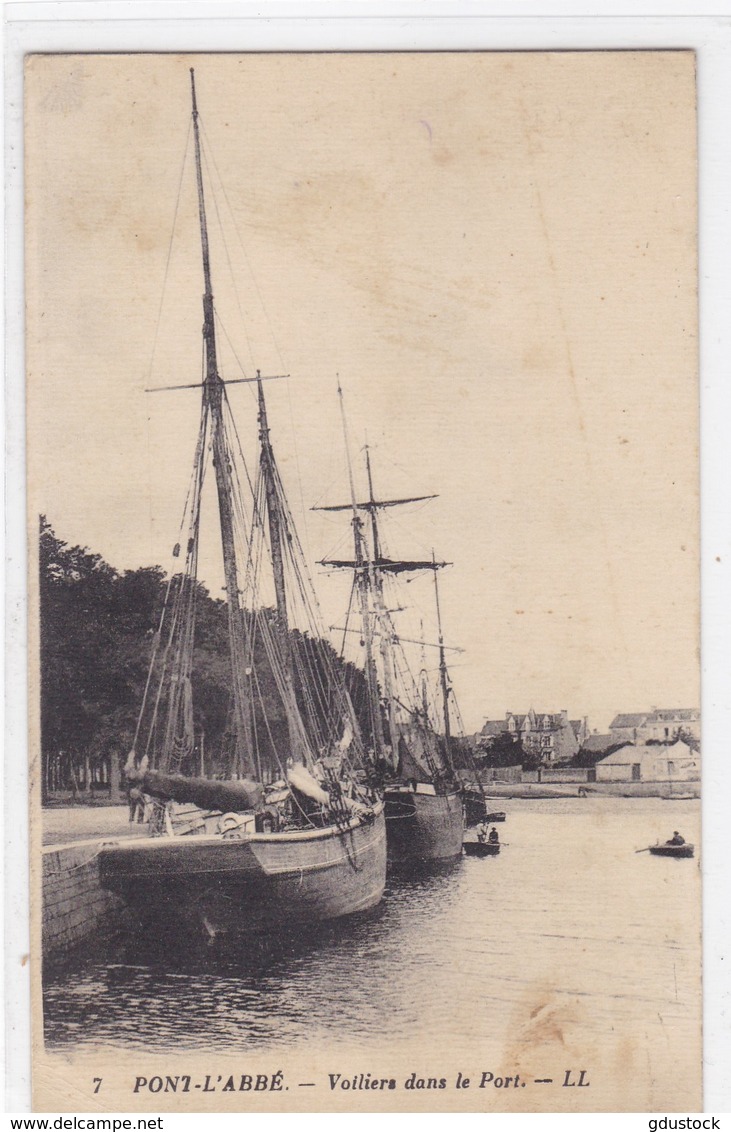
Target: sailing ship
297 833
412 754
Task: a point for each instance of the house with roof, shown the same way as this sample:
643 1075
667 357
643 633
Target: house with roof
650 762
658 724
597 746
549 736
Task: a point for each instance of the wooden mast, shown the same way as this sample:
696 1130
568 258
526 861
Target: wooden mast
213 391
276 538
443 669
376 581
362 582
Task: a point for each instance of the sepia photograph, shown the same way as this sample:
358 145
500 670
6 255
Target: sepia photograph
364 586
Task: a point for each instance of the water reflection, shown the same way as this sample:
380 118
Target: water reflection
568 912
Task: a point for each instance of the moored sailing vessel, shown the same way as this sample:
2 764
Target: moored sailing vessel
414 762
297 833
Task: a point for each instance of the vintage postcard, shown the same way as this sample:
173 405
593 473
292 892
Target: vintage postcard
362 402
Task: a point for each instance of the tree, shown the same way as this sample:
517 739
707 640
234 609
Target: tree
502 750
98 629
95 630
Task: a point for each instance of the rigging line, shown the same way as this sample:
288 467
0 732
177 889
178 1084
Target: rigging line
151 667
163 612
297 468
270 638
396 522
321 678
347 615
232 419
243 249
175 612
244 531
313 601
333 551
256 550
306 676
227 336
326 679
273 745
331 482
170 250
174 749
224 241
255 734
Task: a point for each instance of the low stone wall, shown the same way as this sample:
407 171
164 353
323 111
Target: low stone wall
565 774
75 906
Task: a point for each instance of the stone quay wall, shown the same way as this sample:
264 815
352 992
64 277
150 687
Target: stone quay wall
75 906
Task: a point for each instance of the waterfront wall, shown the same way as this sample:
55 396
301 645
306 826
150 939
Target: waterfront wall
75 906
501 774
558 774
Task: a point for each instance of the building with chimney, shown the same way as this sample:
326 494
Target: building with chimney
658 725
550 737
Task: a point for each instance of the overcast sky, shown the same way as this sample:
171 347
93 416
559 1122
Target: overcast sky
495 253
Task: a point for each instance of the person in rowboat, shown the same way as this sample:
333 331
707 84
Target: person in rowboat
493 837
676 839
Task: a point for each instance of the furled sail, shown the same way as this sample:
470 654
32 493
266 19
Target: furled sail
300 779
233 796
385 565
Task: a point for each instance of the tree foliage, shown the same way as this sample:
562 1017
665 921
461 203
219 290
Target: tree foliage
97 628
504 750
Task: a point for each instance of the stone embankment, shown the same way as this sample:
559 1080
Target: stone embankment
75 906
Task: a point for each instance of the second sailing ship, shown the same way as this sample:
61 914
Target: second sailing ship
414 763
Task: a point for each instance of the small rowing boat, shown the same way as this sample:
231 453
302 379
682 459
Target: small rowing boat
669 850
481 848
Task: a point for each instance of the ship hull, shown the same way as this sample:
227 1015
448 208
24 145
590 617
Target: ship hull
261 882
423 828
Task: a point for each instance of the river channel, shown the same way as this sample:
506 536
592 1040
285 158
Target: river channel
569 943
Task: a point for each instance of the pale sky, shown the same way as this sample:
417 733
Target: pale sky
497 255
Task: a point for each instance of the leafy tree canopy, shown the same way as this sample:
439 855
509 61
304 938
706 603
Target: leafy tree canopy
97 627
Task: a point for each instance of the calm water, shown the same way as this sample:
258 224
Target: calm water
568 941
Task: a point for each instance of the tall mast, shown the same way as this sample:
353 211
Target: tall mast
362 583
424 689
372 507
213 390
276 537
442 667
376 580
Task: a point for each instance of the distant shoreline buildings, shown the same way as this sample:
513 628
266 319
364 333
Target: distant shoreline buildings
659 745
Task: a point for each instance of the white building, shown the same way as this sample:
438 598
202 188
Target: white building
653 762
662 724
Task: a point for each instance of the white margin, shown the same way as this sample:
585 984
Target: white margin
170 26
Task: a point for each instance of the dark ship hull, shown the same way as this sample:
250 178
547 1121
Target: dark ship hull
422 828
259 882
